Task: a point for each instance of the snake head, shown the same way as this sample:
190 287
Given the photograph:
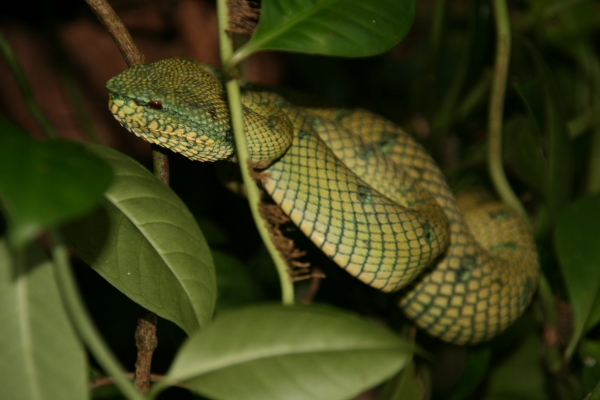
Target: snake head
175 103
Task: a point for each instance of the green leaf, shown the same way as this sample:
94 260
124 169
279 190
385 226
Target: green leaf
543 101
43 184
478 363
407 385
236 286
573 23
295 352
42 357
146 243
520 376
348 28
589 353
577 237
595 394
523 146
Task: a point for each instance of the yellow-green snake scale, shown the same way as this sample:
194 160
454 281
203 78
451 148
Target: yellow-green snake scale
359 187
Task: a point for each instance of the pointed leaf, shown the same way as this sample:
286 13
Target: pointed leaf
520 376
42 357
523 149
595 394
577 238
349 28
146 243
46 183
589 353
297 352
407 385
477 368
542 98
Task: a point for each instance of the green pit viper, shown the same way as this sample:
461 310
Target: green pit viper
359 187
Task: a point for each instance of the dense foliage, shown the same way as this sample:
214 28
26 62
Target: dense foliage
90 236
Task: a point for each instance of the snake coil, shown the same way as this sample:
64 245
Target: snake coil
360 188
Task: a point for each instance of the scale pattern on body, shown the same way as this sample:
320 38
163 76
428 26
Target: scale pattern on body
360 188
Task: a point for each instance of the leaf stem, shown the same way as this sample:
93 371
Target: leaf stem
553 357
237 120
81 320
496 106
236 57
13 63
145 335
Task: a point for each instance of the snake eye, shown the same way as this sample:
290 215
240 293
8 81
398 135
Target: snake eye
155 104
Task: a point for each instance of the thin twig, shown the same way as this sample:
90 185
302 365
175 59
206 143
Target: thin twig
145 335
160 163
315 283
109 380
553 357
146 342
496 108
495 164
116 28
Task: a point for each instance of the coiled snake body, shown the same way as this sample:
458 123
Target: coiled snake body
360 188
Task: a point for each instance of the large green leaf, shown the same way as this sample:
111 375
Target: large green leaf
520 376
577 238
41 356
543 101
46 183
478 364
407 385
296 352
523 146
146 243
349 28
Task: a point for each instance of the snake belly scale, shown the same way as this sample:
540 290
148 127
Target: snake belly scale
360 188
